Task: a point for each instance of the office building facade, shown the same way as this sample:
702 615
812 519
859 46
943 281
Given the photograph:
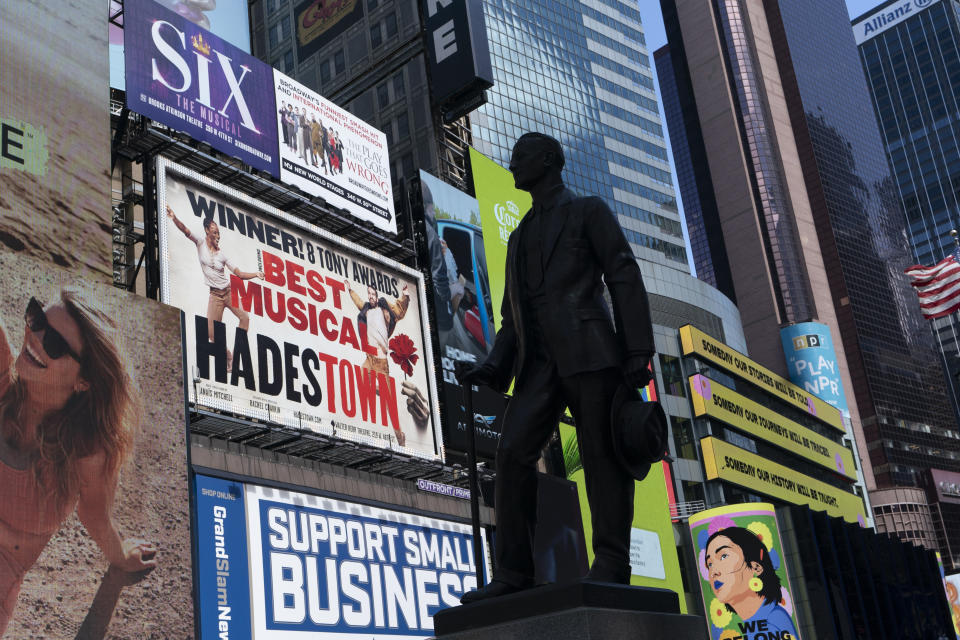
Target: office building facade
580 70
910 54
808 213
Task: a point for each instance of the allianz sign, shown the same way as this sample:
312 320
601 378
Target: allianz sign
889 16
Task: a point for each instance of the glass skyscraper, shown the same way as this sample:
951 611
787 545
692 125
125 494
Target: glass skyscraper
808 211
911 55
579 70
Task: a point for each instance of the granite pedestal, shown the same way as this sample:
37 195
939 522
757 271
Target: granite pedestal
580 610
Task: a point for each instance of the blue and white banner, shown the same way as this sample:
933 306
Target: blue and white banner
812 362
222 559
325 569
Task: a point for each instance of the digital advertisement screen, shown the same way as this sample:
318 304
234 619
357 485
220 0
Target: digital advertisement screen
277 564
463 308
226 18
185 77
289 324
94 498
55 136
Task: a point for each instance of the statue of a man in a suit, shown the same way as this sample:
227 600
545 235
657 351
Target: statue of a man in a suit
560 345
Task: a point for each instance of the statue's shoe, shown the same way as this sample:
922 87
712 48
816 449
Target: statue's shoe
604 574
495 589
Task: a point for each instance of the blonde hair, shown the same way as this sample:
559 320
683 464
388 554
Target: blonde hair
99 420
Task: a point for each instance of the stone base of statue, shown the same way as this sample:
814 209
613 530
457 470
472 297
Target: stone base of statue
581 610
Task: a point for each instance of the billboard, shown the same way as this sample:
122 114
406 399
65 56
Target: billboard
501 207
724 461
952 585
330 153
189 79
697 343
226 18
712 399
290 324
55 136
94 500
462 295
653 553
812 362
320 21
743 576
457 49
277 564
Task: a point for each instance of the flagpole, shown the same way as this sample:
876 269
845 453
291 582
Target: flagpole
955 316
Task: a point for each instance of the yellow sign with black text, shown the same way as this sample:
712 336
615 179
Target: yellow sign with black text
697 343
724 461
712 399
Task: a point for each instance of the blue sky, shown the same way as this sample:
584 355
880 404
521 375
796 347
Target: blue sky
655 37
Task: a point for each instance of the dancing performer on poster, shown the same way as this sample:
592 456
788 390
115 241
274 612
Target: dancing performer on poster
380 316
67 419
213 264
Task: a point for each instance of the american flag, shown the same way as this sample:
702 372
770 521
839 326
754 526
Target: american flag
938 287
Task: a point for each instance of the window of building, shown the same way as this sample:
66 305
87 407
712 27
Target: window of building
684 438
371 5
403 127
399 88
324 72
407 162
376 38
383 95
339 62
673 382
280 32
285 62
391 23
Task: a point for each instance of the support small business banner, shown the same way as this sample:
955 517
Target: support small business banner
279 564
743 578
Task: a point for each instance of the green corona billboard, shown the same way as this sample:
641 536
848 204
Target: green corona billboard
501 207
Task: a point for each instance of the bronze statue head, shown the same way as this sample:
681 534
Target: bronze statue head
536 158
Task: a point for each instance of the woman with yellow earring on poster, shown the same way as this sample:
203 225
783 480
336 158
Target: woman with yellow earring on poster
742 575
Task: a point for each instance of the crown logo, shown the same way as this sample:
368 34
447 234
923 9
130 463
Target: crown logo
199 44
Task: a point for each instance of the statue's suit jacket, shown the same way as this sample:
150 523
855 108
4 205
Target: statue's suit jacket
582 241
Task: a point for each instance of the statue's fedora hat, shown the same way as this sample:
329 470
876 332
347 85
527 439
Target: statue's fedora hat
639 432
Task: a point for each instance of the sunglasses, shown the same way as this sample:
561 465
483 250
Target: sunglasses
54 344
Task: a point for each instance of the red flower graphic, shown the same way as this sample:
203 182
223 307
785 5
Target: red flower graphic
403 352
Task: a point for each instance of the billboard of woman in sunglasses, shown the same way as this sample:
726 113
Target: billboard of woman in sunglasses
93 491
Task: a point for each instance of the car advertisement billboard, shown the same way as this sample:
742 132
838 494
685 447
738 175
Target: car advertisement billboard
463 307
279 564
189 79
812 362
743 576
290 324
55 135
327 152
94 499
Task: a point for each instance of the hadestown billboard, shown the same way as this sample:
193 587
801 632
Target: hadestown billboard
290 324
